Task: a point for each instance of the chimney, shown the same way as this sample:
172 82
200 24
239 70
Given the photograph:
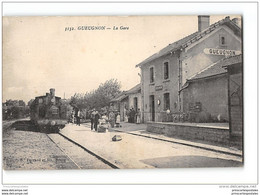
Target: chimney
203 22
52 92
237 21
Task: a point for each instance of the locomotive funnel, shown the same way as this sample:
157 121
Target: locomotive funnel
52 92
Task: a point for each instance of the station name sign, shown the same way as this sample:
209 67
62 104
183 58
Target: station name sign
158 88
221 52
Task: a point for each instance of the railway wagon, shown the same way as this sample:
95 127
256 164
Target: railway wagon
48 112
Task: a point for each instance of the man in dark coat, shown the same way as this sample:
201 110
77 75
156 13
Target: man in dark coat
133 116
130 115
76 116
92 118
96 120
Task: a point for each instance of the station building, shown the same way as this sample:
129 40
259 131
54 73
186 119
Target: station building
167 75
234 67
207 90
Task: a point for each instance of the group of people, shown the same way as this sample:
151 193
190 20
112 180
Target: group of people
113 119
134 116
75 116
109 119
94 119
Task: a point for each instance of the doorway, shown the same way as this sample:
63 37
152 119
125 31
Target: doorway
152 107
135 104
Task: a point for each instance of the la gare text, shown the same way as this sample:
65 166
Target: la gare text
97 28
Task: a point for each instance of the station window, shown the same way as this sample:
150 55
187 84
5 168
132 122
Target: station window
151 75
222 40
166 70
166 98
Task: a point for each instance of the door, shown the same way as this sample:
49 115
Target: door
135 104
236 107
152 107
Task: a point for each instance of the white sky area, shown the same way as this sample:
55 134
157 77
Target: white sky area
38 54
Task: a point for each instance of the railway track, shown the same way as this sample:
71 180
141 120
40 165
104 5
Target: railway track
82 157
85 158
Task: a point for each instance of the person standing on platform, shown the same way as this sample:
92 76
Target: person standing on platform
76 115
133 116
78 118
111 118
138 116
96 120
130 115
118 120
92 118
73 116
126 115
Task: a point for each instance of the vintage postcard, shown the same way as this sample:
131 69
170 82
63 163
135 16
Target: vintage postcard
122 92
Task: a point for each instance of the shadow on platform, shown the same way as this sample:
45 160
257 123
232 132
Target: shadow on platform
190 162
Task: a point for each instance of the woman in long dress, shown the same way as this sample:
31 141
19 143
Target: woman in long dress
125 114
118 120
138 116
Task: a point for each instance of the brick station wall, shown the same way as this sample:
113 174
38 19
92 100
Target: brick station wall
190 132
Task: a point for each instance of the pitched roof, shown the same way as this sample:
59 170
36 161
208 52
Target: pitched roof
125 94
232 60
135 89
119 97
217 68
186 41
212 70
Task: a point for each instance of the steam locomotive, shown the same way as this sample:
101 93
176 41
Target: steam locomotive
49 113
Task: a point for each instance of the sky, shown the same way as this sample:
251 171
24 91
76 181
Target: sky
39 54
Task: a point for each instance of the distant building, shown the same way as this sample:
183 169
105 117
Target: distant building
119 104
13 109
127 100
167 73
135 99
10 103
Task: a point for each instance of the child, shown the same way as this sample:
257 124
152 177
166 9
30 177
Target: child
118 120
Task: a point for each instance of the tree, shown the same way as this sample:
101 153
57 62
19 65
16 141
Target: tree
106 92
98 98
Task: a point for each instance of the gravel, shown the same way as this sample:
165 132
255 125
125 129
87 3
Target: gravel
26 150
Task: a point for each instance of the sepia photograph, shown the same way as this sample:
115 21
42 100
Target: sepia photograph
122 92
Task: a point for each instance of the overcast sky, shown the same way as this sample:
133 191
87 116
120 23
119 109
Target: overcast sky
38 54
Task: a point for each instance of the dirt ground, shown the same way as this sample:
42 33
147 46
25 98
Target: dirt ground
137 152
29 150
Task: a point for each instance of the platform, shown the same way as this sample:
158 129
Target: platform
216 133
141 149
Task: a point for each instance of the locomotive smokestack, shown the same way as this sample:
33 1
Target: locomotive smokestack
52 92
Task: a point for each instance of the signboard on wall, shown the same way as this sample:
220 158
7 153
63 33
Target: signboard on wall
158 88
221 52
